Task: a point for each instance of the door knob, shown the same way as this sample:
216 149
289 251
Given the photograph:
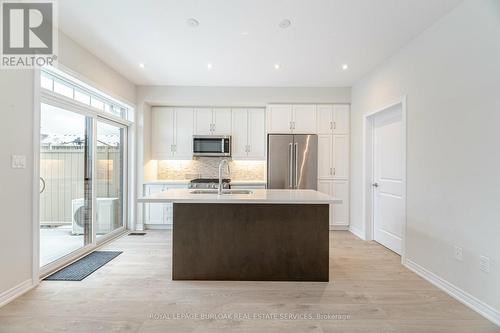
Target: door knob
375 184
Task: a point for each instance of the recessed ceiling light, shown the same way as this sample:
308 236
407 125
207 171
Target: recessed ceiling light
141 65
209 66
244 33
345 67
285 24
277 66
193 23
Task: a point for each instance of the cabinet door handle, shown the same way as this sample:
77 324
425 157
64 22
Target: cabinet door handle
294 125
334 125
290 126
334 171
331 125
331 171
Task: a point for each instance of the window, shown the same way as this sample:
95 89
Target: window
78 91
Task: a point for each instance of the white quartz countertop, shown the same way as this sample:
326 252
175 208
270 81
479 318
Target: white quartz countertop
186 181
256 196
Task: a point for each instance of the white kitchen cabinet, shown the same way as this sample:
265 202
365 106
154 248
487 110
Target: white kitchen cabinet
304 119
203 121
333 119
172 131
285 118
221 121
154 213
159 213
162 136
213 121
339 189
340 164
341 211
325 156
183 131
240 133
333 156
325 119
341 119
248 134
279 118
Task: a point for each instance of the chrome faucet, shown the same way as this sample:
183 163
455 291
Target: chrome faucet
221 163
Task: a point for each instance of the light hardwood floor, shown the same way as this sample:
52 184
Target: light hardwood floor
367 283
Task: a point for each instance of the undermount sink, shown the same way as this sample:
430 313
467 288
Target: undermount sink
223 192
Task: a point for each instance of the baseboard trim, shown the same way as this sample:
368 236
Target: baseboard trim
463 297
339 227
16 291
357 232
158 227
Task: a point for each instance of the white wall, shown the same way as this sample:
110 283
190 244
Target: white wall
16 107
451 76
16 137
239 96
79 60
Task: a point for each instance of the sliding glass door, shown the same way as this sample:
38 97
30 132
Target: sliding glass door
65 182
110 177
82 181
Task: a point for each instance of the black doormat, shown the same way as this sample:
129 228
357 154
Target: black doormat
137 234
82 268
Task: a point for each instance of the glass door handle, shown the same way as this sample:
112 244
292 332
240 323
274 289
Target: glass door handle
43 185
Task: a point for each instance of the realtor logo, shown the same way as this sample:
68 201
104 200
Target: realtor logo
28 34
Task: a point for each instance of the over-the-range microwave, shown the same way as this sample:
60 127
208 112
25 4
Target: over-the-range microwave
212 145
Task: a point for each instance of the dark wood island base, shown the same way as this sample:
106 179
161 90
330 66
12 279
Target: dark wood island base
253 242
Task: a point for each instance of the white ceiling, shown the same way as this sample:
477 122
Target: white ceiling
242 40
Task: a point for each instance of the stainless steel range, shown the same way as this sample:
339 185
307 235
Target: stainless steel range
209 183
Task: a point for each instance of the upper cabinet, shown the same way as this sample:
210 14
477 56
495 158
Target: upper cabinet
203 121
248 134
286 118
172 132
279 118
304 119
333 119
221 121
162 136
212 121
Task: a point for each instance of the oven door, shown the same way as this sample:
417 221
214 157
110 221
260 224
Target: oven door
206 145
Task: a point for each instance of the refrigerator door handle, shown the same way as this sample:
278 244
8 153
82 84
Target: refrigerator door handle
296 149
290 165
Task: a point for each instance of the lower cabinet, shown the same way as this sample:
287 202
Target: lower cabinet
156 213
339 213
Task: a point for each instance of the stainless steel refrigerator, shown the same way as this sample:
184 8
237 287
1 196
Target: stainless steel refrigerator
292 161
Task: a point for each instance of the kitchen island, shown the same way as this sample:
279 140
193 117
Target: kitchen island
260 235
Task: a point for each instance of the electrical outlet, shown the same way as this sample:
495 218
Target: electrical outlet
484 264
18 161
458 253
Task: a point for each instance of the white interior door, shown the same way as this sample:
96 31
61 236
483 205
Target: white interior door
388 178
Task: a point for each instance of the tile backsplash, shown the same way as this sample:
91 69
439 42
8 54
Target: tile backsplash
208 167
